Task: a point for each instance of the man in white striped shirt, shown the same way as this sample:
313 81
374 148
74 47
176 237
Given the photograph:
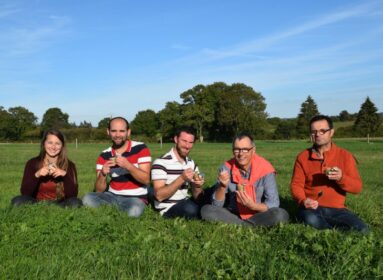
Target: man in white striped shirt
174 175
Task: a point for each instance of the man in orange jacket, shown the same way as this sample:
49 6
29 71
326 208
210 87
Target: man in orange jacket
323 175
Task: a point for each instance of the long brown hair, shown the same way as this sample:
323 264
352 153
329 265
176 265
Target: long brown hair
62 159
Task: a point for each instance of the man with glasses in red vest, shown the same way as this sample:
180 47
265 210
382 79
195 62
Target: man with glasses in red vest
246 191
323 175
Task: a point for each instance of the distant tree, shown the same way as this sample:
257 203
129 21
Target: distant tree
6 127
103 123
145 123
285 129
170 118
54 118
368 119
334 118
85 124
22 121
308 110
274 121
344 116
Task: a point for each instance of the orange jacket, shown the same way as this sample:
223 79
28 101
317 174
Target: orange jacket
309 177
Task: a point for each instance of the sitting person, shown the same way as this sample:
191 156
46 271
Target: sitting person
51 176
323 175
246 192
173 175
127 164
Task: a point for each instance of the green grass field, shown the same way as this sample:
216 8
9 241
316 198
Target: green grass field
47 242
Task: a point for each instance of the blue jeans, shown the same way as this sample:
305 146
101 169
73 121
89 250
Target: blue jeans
133 206
325 218
187 209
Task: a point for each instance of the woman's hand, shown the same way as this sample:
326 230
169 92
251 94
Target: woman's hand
57 172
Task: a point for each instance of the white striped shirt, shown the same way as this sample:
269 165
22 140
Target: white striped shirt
169 168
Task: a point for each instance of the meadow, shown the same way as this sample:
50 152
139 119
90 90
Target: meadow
46 242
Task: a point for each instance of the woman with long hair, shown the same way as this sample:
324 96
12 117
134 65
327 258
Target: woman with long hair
50 176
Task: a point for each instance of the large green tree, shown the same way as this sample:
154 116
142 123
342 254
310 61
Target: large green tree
145 123
241 109
308 110
198 108
22 121
15 122
54 118
368 120
213 95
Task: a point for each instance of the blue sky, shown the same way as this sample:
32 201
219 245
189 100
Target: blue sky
95 59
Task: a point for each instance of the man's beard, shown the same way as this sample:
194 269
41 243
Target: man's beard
117 146
179 151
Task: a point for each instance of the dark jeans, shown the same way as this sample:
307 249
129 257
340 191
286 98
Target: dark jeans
326 218
25 199
271 217
187 209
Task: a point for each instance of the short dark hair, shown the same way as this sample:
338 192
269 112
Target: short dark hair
119 118
186 129
241 135
321 118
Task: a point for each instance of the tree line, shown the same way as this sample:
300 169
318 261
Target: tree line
217 111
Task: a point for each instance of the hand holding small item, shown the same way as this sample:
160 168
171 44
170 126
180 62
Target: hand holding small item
113 160
240 187
334 173
106 167
43 171
57 172
198 179
121 161
187 175
224 178
244 199
311 203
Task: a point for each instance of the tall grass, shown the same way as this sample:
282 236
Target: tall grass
43 241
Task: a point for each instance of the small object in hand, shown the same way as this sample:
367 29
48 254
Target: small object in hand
329 170
240 187
113 159
51 167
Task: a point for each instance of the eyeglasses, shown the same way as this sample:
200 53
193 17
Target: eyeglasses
319 132
243 150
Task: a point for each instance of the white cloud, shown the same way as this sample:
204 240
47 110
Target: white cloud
248 49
